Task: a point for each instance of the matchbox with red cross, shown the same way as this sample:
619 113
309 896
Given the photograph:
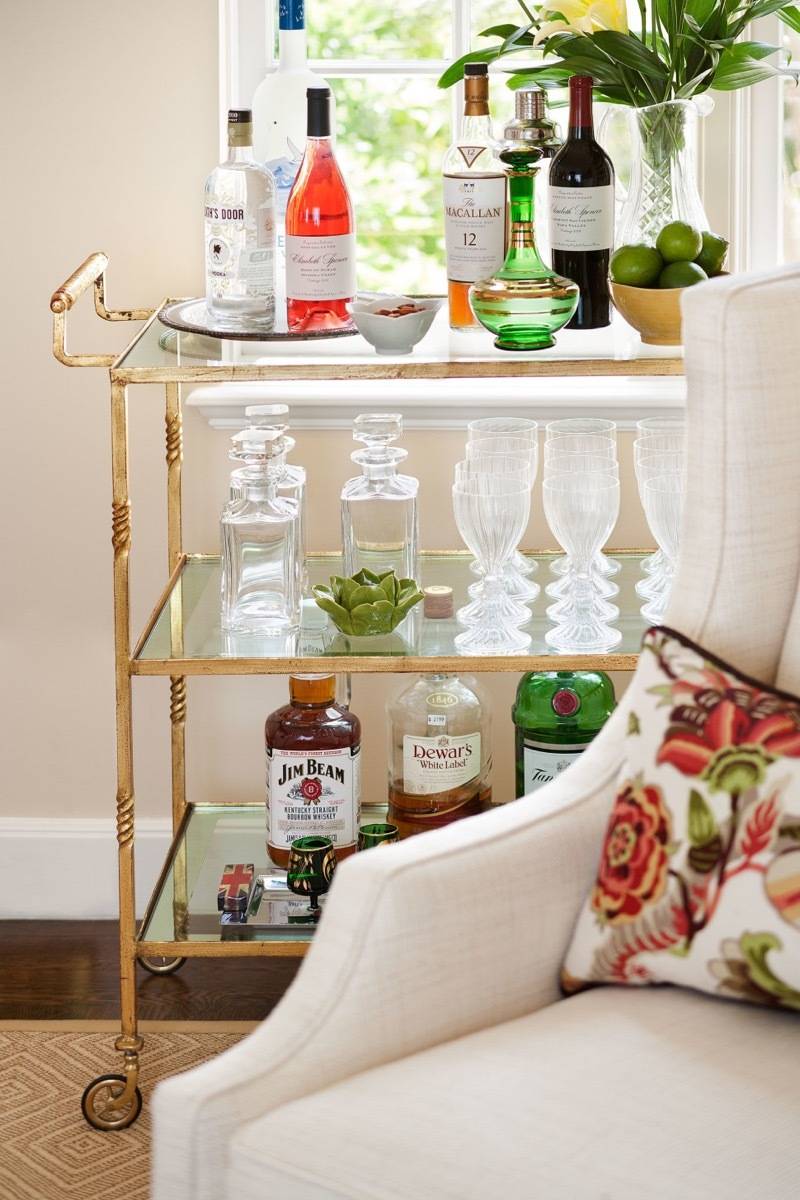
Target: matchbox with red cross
234 887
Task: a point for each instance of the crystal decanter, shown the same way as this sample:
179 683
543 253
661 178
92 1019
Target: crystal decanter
293 483
379 507
525 302
260 534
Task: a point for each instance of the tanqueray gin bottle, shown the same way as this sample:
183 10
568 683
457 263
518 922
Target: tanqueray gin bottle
557 714
379 507
260 534
240 234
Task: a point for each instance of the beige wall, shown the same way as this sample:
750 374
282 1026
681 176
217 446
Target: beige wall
114 130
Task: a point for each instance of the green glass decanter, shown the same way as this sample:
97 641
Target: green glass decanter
525 302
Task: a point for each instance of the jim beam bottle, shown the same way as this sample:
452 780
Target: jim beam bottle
557 714
439 753
474 200
313 769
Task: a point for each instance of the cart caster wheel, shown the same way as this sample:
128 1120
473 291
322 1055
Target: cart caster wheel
162 966
96 1100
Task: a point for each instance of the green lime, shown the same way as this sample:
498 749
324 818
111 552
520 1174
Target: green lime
712 256
679 242
636 266
681 274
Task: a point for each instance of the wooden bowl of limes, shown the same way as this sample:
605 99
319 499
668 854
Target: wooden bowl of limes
647 281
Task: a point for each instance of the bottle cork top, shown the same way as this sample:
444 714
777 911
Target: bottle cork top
312 689
438 601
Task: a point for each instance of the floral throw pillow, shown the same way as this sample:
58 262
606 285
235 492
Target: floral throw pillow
699 875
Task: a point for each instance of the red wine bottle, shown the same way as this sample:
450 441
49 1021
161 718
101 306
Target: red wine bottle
320 231
582 210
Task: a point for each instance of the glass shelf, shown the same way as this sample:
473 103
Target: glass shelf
158 353
183 907
184 636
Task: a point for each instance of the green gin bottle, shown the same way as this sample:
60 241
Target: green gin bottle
556 714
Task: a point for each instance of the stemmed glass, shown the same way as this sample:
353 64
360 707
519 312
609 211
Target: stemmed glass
581 510
662 496
583 435
669 445
500 453
491 513
312 862
504 466
561 590
518 427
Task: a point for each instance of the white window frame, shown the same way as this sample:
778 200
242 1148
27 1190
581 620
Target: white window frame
740 181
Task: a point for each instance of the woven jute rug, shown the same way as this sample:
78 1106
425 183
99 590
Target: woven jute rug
47 1151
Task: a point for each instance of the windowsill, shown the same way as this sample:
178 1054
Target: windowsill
445 403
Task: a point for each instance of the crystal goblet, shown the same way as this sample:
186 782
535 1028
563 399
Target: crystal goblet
491 514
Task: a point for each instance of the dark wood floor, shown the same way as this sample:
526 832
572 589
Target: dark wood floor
69 970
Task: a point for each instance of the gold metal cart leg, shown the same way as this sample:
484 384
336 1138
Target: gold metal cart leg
106 1104
177 684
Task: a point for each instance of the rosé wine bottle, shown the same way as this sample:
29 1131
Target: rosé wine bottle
320 232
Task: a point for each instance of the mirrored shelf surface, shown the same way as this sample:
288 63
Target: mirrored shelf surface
183 907
159 353
184 636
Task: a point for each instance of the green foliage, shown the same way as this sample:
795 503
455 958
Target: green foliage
367 604
392 135
682 48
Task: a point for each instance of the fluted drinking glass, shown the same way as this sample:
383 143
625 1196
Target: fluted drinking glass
491 514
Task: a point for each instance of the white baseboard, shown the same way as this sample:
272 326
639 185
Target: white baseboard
67 869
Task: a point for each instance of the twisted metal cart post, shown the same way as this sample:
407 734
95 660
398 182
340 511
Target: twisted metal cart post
182 636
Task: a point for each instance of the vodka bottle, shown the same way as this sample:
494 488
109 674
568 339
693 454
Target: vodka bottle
379 507
279 120
260 534
474 200
557 714
240 233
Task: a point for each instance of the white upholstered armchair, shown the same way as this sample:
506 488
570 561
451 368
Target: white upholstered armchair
423 1051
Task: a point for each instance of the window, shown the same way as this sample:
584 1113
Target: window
790 145
394 124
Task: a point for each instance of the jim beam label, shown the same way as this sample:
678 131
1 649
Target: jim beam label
542 762
439 763
317 792
474 225
582 218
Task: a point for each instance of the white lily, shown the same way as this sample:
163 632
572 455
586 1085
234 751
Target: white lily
582 17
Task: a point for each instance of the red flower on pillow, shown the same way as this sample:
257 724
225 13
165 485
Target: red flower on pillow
730 741
633 862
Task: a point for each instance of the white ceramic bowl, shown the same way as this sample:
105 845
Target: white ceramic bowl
393 335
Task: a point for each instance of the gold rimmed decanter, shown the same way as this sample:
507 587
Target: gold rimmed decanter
525 302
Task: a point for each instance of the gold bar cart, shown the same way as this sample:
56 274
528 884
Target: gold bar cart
182 636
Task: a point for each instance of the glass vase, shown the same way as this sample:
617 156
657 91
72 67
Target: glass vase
525 302
663 178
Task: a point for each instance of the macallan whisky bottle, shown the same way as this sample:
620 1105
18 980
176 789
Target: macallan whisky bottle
557 714
313 769
439 753
474 200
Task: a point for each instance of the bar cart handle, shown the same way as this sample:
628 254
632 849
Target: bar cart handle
91 271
